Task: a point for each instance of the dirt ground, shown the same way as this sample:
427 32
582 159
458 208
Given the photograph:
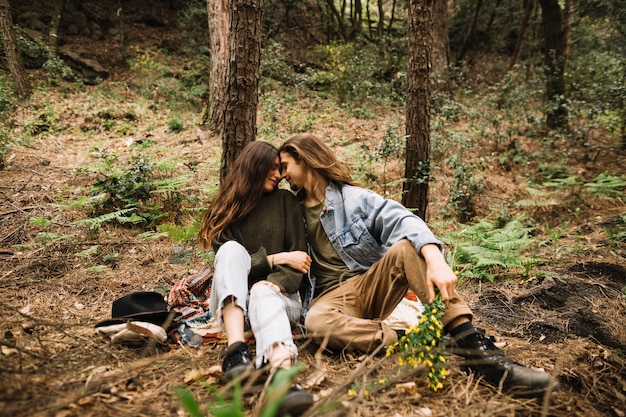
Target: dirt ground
569 323
568 320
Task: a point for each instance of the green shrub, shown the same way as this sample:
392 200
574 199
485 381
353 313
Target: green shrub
480 250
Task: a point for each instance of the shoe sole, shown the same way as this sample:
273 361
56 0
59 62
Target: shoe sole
295 403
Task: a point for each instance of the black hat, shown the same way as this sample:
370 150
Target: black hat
142 306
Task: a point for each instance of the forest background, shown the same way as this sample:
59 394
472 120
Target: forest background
106 165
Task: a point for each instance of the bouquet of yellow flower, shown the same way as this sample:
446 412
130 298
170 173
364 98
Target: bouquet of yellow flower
421 346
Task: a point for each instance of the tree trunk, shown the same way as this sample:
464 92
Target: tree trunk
54 28
622 105
441 48
381 19
391 17
356 19
213 117
554 60
417 170
472 32
519 44
242 76
11 49
567 25
338 16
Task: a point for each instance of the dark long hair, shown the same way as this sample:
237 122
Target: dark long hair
240 192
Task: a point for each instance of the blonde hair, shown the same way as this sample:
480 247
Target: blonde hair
240 192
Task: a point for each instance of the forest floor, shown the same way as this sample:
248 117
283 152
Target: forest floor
568 318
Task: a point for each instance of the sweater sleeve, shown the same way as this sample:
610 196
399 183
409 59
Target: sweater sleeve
287 278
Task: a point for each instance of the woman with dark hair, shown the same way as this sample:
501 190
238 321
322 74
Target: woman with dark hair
258 235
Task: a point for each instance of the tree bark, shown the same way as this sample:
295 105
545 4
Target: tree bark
54 28
213 117
381 19
472 32
554 60
242 79
530 6
355 19
417 169
441 48
338 16
11 49
567 25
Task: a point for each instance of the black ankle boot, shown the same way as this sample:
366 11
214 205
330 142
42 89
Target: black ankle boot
238 361
486 360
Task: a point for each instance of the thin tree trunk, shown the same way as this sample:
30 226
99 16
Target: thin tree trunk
54 28
392 16
567 24
213 117
381 19
472 32
622 105
441 48
11 49
417 170
530 6
339 18
355 14
554 59
242 75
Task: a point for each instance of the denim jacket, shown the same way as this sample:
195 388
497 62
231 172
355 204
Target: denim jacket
362 225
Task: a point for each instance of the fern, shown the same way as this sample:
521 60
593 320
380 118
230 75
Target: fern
49 238
481 249
179 234
88 252
95 222
82 202
150 234
171 184
605 184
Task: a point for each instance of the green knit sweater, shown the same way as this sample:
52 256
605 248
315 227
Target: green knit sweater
275 225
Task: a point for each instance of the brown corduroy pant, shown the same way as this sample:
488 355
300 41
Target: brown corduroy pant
350 314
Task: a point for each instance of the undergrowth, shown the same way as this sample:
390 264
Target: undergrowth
482 250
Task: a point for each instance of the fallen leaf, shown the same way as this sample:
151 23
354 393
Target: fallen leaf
424 411
407 388
6 351
315 378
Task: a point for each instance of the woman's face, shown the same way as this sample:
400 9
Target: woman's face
273 177
293 171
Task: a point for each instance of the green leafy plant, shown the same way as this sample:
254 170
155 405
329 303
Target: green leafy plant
175 125
481 249
234 406
605 184
555 234
392 146
180 234
45 238
94 223
465 188
422 345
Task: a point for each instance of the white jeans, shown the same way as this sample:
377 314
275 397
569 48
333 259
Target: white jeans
269 313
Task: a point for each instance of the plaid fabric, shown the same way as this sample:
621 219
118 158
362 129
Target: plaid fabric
190 295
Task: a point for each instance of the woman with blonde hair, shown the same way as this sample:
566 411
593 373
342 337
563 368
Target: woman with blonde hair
257 233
